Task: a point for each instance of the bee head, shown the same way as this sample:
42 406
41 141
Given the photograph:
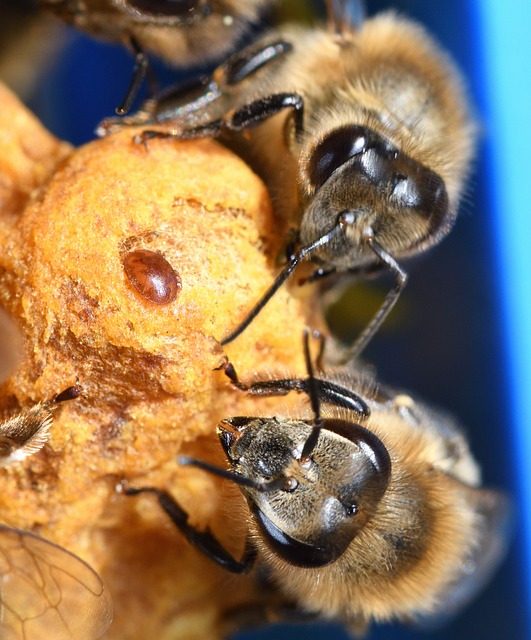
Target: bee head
307 506
354 170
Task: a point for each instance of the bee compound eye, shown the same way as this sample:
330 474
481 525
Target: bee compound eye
293 551
152 276
333 151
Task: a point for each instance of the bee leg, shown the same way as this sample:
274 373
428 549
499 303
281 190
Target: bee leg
246 117
327 391
254 113
387 261
139 73
208 130
204 541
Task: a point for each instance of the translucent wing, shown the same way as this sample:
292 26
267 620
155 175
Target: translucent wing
48 592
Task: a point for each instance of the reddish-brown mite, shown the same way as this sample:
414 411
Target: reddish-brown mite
152 276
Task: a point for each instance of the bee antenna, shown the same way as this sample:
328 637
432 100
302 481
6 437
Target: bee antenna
313 393
272 485
302 253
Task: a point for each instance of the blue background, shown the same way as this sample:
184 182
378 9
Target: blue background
463 340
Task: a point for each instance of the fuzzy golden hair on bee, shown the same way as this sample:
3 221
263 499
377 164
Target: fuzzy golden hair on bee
406 557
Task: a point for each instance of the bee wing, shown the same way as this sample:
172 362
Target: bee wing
494 512
48 592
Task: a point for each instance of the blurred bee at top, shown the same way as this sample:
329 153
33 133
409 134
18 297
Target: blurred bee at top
181 32
371 510
363 136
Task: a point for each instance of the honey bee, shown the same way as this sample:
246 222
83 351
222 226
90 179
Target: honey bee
368 509
363 136
183 33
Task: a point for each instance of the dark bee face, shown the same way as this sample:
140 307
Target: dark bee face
309 509
382 191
